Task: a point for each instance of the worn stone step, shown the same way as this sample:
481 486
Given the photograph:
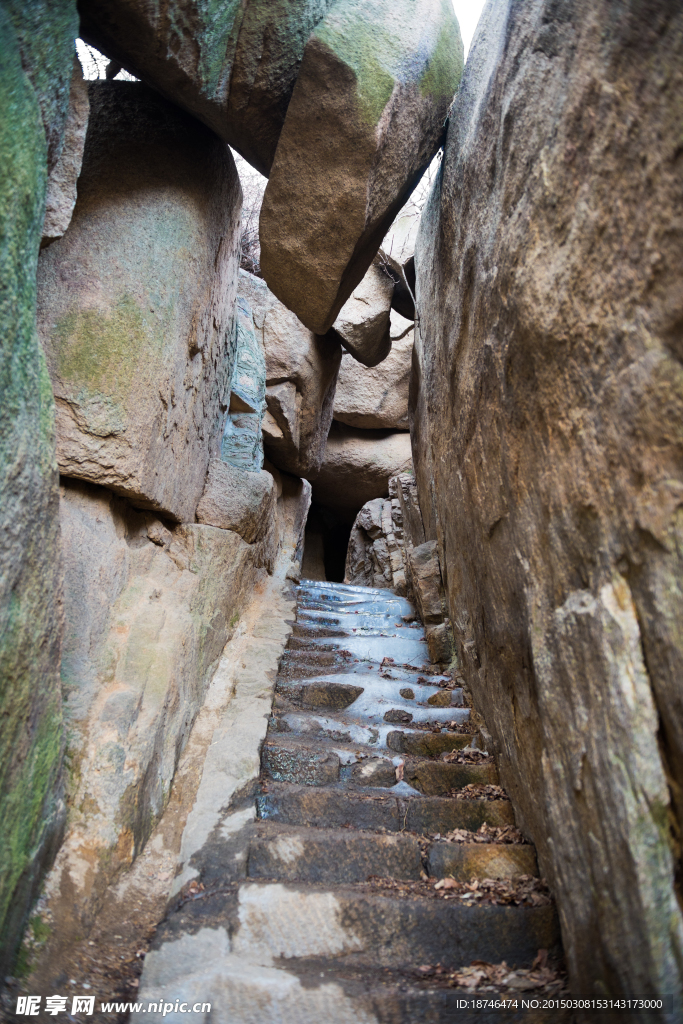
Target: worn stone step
419 742
331 807
371 648
306 991
317 763
432 778
368 926
467 861
331 691
332 856
345 729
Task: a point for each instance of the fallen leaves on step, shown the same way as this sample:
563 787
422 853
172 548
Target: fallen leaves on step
507 834
524 891
479 791
468 755
481 975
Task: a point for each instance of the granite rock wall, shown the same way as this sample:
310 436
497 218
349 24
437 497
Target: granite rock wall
546 416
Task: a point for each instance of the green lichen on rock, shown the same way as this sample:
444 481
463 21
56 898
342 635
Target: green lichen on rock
36 48
444 70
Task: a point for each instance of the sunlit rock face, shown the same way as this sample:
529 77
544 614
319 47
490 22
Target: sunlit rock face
136 303
547 413
366 116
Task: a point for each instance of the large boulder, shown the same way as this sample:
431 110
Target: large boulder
377 397
363 321
149 610
301 375
357 467
136 301
36 59
547 412
366 116
233 65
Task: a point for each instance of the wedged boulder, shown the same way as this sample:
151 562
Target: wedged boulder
235 499
233 67
136 302
301 376
61 184
376 397
366 116
357 467
363 321
548 446
149 607
36 58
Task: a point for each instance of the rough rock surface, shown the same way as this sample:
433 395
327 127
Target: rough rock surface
376 552
148 610
301 375
242 443
293 502
363 321
233 65
36 58
136 301
357 467
548 451
376 397
366 117
235 499
61 184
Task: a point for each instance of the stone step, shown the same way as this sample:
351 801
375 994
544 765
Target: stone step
287 759
339 856
368 925
332 807
308 991
332 856
467 861
333 692
410 652
346 730
386 736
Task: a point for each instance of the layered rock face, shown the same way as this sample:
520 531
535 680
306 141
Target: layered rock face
36 57
365 118
547 445
301 376
136 302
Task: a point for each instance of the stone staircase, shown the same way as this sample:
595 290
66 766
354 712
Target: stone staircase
321 906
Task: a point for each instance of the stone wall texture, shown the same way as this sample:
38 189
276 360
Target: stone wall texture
148 612
547 412
36 57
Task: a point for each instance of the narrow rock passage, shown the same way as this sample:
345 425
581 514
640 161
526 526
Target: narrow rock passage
323 906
